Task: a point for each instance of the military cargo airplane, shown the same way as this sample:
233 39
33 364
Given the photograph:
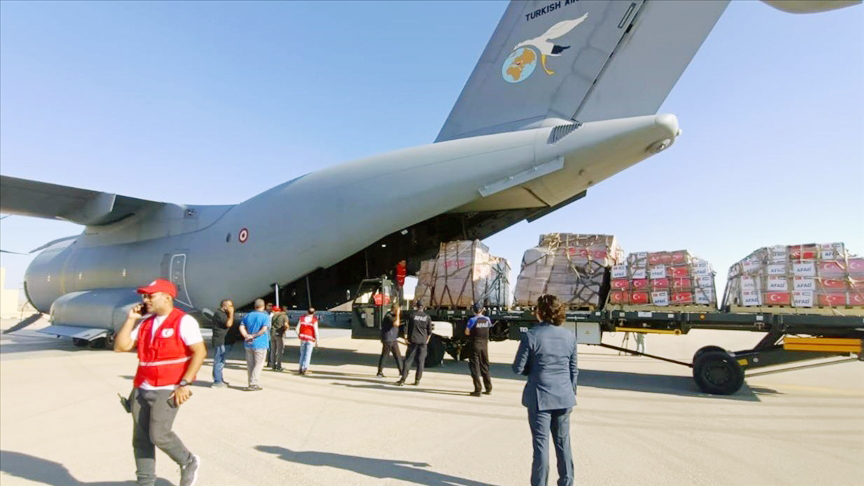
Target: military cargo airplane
519 143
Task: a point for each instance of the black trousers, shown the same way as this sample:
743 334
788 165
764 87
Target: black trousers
386 349
416 354
478 363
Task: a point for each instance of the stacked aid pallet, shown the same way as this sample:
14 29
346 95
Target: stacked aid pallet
572 267
801 276
674 278
462 274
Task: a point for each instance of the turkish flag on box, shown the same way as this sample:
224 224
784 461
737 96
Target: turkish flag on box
856 267
599 255
660 284
831 268
682 298
682 283
778 298
640 283
659 257
856 284
832 300
578 251
803 252
620 284
679 271
679 256
618 297
638 297
856 299
832 284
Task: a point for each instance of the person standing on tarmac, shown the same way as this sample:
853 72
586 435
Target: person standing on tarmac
254 329
389 335
223 320
418 334
547 355
477 330
278 326
307 331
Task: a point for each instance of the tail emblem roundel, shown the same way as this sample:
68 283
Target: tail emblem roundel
520 64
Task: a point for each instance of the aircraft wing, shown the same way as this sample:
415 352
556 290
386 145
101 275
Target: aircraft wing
52 201
620 61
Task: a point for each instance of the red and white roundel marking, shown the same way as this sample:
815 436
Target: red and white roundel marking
243 235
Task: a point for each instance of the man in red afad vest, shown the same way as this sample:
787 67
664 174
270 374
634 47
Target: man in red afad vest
307 331
170 353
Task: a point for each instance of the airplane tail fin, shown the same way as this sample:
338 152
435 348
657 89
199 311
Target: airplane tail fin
551 62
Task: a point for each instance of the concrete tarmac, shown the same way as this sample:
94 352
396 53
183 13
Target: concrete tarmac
638 421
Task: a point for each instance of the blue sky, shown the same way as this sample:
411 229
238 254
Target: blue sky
212 103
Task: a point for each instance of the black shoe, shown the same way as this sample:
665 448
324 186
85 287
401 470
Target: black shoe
417 383
487 392
400 383
380 375
475 394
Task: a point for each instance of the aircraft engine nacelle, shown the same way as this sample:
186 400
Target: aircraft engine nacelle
102 309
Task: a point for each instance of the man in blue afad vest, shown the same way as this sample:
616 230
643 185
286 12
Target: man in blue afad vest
478 330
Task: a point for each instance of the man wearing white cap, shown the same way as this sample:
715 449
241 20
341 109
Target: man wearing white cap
170 353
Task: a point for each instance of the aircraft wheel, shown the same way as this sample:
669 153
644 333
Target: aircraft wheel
80 343
435 351
706 349
718 373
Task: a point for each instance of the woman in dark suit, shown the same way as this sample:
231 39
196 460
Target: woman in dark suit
547 355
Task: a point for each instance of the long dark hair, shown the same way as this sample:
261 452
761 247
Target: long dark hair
550 310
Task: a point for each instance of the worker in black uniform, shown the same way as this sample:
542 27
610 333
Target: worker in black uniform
389 335
418 333
477 331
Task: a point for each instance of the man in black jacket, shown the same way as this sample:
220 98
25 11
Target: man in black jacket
389 334
418 334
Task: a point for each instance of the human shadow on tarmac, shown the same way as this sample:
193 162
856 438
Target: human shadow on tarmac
375 468
25 466
612 380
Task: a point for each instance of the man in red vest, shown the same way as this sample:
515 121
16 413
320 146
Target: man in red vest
170 353
307 331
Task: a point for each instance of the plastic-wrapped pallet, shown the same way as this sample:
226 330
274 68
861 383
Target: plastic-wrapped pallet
661 279
464 273
574 268
797 276
425 281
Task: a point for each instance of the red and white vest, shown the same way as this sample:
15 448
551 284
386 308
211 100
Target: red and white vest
307 328
163 358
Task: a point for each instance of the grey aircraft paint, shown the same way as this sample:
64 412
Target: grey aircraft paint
511 143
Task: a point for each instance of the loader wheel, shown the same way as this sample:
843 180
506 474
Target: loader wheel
718 373
434 351
706 349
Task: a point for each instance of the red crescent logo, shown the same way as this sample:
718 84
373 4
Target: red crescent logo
243 235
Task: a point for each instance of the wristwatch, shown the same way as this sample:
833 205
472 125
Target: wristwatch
183 383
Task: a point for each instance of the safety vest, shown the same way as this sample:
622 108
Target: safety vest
307 328
381 299
163 358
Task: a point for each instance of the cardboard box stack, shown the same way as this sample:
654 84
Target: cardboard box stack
662 279
574 268
803 276
464 273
